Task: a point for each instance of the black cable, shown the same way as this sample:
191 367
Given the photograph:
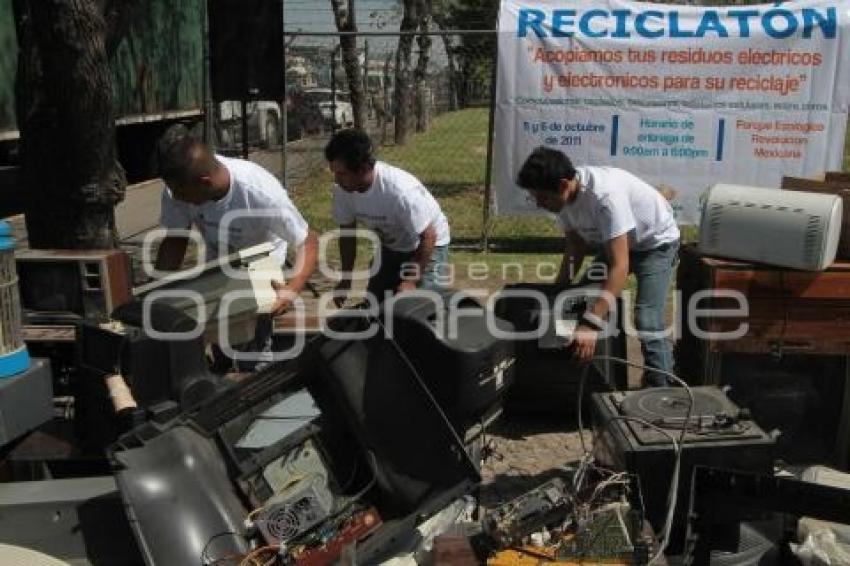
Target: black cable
625 362
205 560
351 479
285 418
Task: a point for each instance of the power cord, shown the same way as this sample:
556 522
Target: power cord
206 560
674 377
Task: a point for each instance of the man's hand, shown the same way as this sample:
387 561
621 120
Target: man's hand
341 292
584 343
285 298
406 285
172 250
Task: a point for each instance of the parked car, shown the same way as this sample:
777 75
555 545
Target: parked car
344 115
264 124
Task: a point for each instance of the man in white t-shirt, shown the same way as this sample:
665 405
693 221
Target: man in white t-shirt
413 230
633 227
202 188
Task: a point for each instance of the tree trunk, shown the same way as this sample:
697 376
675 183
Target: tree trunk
64 107
368 97
451 64
402 72
385 100
421 73
345 21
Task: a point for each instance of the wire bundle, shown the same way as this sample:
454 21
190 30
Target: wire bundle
587 457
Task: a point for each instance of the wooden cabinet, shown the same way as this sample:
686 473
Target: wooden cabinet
796 344
787 311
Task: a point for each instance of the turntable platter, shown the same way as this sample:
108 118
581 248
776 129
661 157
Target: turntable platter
671 403
713 413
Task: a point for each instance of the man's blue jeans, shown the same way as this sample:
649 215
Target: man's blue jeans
653 270
388 276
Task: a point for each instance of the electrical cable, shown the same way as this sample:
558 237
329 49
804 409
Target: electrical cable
351 478
205 560
351 500
583 378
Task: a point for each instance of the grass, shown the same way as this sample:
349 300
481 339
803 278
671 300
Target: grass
450 159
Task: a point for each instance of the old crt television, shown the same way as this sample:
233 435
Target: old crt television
61 286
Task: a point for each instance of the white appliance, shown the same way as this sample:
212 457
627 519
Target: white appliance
247 295
784 228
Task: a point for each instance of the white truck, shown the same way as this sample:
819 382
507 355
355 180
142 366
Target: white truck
341 116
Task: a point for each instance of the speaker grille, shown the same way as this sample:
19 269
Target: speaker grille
812 240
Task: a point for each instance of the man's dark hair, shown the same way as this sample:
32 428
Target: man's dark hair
353 147
181 156
544 169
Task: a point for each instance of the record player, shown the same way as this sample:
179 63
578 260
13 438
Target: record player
719 434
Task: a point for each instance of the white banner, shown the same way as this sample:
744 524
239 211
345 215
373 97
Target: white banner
682 96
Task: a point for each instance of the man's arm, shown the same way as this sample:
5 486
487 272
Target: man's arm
618 253
575 249
305 261
347 256
172 250
305 264
586 333
421 257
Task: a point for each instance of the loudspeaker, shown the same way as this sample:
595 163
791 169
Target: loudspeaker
246 49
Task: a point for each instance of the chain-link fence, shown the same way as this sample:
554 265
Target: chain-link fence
426 100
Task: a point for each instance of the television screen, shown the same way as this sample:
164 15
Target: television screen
51 287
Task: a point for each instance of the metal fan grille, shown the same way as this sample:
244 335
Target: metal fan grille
283 523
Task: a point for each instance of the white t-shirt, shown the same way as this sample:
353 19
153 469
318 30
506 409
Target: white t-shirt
612 202
397 207
269 215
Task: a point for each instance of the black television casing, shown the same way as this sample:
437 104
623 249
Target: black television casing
378 417
449 340
546 379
